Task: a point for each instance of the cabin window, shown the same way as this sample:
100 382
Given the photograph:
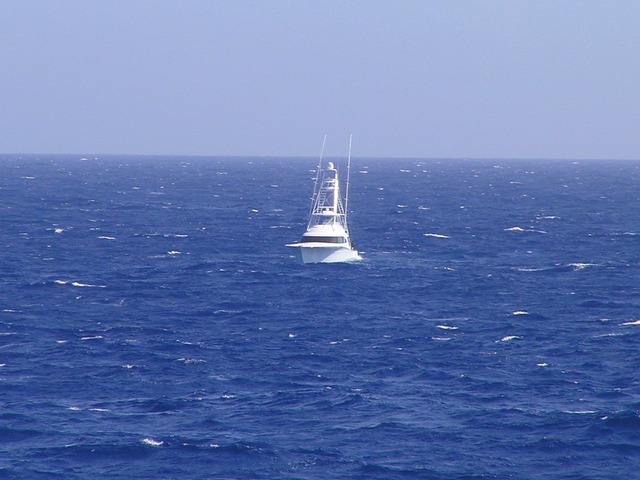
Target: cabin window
324 239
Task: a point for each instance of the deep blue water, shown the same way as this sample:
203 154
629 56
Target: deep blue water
154 325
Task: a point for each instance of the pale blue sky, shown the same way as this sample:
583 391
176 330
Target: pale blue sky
474 79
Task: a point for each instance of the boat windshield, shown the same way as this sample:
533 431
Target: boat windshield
309 239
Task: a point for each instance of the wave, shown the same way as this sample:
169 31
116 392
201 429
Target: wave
435 235
581 266
623 421
9 434
520 229
151 442
373 470
509 338
188 361
602 304
635 322
559 267
78 284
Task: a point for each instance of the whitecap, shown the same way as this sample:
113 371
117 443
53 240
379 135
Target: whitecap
440 339
635 322
542 364
87 285
60 282
95 337
104 237
435 235
520 229
59 230
151 442
446 327
174 252
520 312
580 412
581 266
188 361
509 338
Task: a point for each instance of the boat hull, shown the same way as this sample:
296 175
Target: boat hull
326 254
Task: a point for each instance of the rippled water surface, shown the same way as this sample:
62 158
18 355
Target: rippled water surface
154 325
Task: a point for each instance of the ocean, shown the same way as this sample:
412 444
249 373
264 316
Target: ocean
154 325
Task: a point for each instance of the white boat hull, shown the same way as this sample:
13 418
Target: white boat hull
326 254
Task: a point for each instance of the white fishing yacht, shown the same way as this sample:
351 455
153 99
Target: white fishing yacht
327 239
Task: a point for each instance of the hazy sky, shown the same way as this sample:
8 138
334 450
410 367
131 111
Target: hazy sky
507 79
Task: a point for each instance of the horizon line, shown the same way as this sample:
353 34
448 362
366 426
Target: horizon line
368 157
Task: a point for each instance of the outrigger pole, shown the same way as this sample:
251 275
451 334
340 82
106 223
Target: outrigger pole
346 197
315 183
